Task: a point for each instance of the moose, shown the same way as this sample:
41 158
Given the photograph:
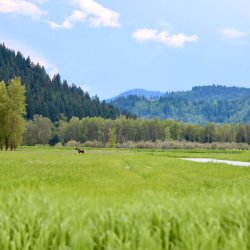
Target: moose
80 151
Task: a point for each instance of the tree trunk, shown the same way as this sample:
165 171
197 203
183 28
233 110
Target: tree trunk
6 144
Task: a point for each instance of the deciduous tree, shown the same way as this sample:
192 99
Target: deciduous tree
16 112
4 101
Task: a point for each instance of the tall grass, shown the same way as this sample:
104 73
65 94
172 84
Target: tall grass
123 199
32 221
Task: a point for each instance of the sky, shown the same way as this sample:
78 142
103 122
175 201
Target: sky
109 46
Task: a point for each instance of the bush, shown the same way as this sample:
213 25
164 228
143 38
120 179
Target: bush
93 144
59 144
129 144
72 143
183 145
170 144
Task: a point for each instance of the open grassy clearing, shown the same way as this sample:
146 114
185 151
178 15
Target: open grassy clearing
54 198
118 174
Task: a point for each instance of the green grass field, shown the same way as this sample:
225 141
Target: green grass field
54 198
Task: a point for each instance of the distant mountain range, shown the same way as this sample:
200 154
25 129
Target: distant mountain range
139 92
202 104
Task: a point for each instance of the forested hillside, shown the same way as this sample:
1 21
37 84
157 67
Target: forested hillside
51 98
202 104
55 98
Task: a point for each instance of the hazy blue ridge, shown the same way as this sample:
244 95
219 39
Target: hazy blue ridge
152 95
202 104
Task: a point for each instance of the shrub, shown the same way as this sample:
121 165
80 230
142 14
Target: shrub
93 144
72 143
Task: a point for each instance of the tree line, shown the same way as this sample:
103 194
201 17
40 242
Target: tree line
12 111
41 130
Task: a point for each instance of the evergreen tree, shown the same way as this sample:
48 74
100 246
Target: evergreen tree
50 97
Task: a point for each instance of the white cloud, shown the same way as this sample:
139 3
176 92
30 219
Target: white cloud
98 15
143 35
233 33
68 23
35 56
92 12
177 40
87 10
22 7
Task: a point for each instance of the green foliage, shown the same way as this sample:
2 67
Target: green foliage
38 131
12 111
201 105
167 134
50 97
4 110
175 131
112 138
136 130
209 132
15 118
241 134
248 133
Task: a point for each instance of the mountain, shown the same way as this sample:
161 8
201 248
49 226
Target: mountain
151 95
215 92
202 104
53 98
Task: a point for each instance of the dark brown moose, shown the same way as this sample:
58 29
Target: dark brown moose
80 151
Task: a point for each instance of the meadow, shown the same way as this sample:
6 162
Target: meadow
55 198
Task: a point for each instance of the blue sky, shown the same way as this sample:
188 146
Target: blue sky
110 46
